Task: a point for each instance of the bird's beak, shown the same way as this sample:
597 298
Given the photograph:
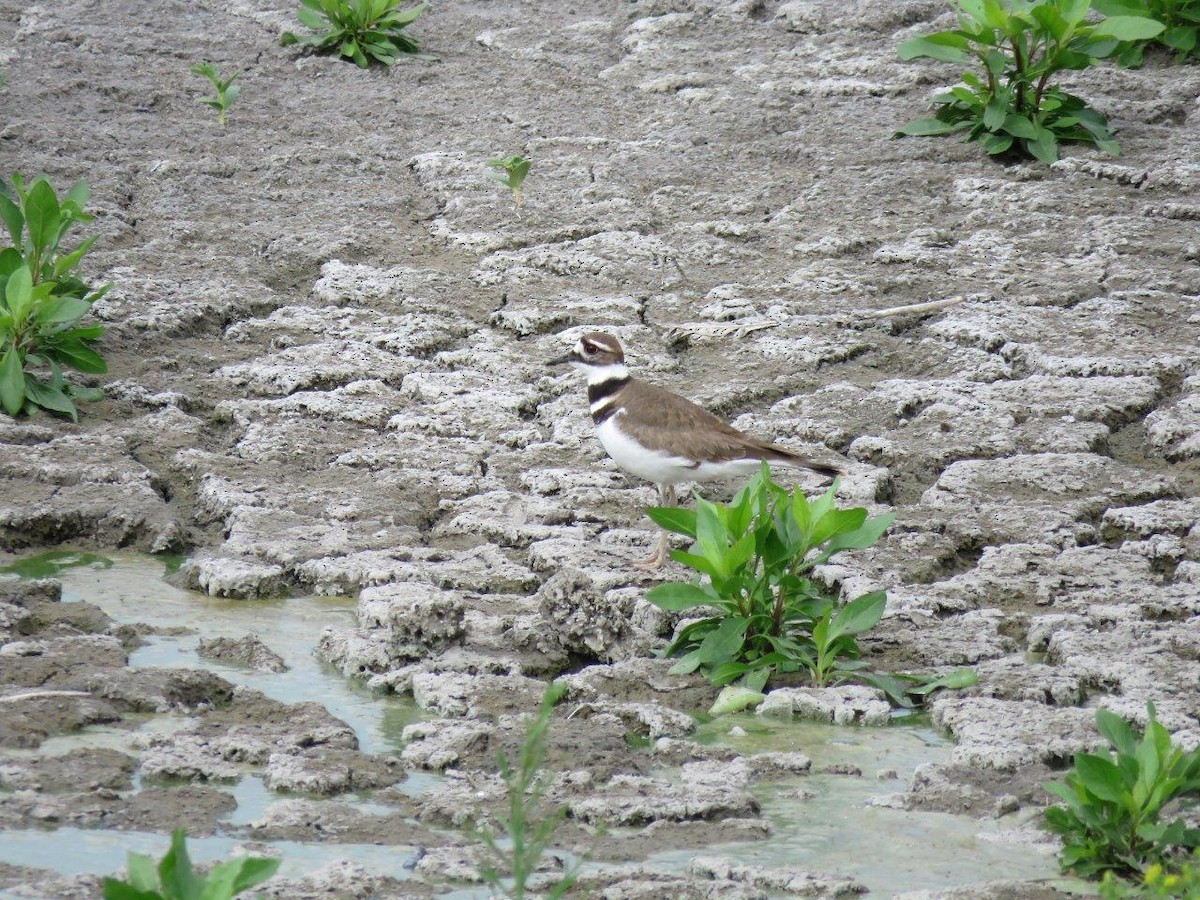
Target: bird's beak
562 360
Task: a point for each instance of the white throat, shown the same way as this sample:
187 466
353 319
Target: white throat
601 374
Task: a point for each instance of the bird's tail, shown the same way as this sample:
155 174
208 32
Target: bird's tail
772 453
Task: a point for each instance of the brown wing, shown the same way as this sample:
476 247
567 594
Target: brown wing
663 419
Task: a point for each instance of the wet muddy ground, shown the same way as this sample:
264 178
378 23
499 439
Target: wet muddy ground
326 334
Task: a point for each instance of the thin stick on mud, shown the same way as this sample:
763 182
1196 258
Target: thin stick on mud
931 306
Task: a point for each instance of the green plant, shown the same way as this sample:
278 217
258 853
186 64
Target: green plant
174 879
362 30
1181 18
42 301
528 831
510 172
1012 104
1157 881
758 553
1113 801
226 90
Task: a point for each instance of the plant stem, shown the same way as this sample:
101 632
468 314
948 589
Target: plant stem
1019 59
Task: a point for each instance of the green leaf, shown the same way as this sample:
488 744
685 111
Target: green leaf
712 536
858 615
1128 28
61 310
1019 126
68 261
12 382
1119 7
310 19
119 890
756 680
674 518
18 293
945 46
77 356
14 221
994 113
142 874
1060 790
735 698
1181 37
687 664
175 870
77 196
837 521
724 642
256 869
1044 147
870 532
676 597
955 680
1116 731
894 688
996 143
42 216
50 398
1099 776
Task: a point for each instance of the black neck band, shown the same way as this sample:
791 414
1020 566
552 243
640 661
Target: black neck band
605 389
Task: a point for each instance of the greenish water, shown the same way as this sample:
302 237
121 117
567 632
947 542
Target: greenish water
822 823
130 588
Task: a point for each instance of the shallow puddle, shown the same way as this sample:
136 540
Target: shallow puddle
132 589
822 823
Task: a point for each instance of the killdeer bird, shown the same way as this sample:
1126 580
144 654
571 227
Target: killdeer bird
662 437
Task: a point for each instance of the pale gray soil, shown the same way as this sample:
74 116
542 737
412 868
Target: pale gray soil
327 327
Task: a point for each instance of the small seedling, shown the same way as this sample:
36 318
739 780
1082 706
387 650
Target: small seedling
1181 18
1113 802
42 301
226 90
528 829
510 172
174 879
361 30
1010 104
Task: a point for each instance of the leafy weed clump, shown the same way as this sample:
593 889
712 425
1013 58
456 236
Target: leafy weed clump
42 301
174 879
226 90
1111 820
510 171
758 554
528 829
1010 104
361 30
1181 18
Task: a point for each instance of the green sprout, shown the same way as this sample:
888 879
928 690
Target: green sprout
510 172
226 90
528 829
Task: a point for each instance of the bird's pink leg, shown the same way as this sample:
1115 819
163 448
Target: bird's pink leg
666 497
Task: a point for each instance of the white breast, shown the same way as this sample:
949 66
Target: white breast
653 465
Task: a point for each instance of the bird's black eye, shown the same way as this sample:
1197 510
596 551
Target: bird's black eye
589 350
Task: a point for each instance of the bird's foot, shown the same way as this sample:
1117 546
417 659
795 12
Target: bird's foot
655 559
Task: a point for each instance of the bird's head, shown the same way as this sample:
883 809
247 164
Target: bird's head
596 353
